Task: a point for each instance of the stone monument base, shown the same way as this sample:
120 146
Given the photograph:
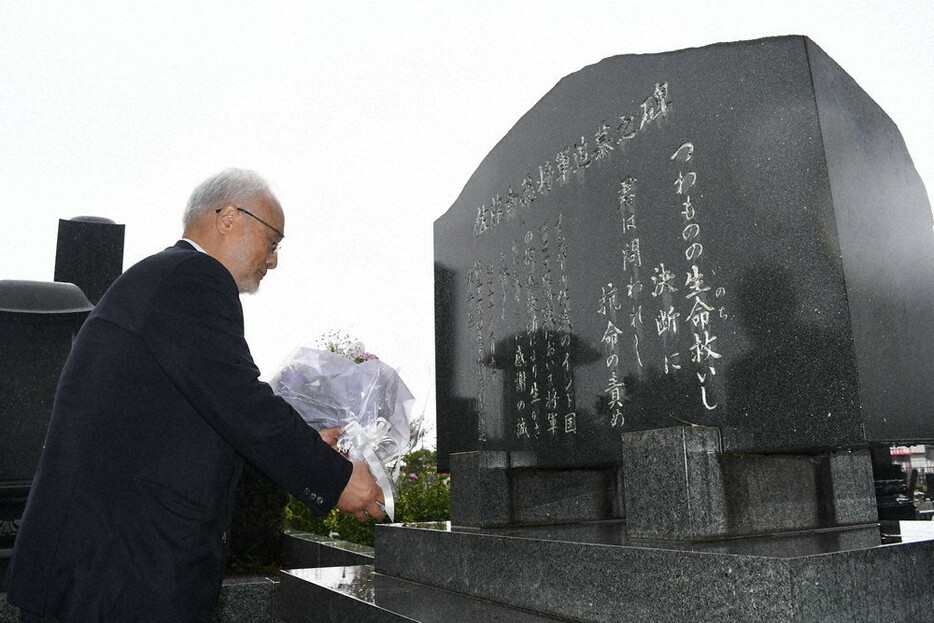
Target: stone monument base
679 530
595 572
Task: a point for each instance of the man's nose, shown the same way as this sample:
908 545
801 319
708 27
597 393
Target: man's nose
272 260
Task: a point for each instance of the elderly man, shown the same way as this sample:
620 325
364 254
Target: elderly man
157 406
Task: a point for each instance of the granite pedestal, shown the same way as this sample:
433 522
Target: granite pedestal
595 572
497 489
681 486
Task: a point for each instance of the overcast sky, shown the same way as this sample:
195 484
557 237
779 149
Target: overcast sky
367 117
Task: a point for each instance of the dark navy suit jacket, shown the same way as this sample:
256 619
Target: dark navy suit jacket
157 406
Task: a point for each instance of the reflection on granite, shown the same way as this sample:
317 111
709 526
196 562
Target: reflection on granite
356 581
360 594
304 549
332 542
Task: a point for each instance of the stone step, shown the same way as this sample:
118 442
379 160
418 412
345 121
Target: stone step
593 572
302 550
359 594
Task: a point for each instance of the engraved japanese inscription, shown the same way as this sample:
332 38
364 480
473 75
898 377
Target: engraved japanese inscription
656 244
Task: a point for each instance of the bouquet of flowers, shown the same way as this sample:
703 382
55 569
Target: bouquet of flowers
345 386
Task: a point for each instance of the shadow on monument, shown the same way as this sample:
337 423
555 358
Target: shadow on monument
797 377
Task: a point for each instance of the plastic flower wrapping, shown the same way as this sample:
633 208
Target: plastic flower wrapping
367 399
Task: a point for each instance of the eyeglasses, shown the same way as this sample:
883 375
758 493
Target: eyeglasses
276 245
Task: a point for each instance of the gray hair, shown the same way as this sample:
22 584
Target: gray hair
228 186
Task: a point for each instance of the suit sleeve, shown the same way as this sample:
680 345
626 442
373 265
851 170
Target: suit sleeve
194 328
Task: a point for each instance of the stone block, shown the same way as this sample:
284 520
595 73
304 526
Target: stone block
674 485
480 488
89 254
851 492
680 486
770 493
246 600
490 489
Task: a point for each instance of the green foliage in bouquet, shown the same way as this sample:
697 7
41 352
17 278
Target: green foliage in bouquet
257 526
421 495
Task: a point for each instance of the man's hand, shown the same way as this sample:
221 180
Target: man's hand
330 435
361 494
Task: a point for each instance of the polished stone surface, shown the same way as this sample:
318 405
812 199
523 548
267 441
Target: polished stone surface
359 594
674 484
731 236
848 488
680 486
306 550
8 612
247 600
486 490
480 488
596 573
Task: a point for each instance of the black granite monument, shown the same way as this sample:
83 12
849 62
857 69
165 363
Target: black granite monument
89 254
675 306
738 235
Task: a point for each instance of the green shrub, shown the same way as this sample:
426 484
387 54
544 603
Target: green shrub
421 495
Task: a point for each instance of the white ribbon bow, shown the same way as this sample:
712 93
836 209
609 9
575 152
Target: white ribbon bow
365 442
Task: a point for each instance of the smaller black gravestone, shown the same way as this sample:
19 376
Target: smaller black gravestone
89 254
38 321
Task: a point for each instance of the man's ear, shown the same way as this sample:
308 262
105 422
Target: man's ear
224 220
